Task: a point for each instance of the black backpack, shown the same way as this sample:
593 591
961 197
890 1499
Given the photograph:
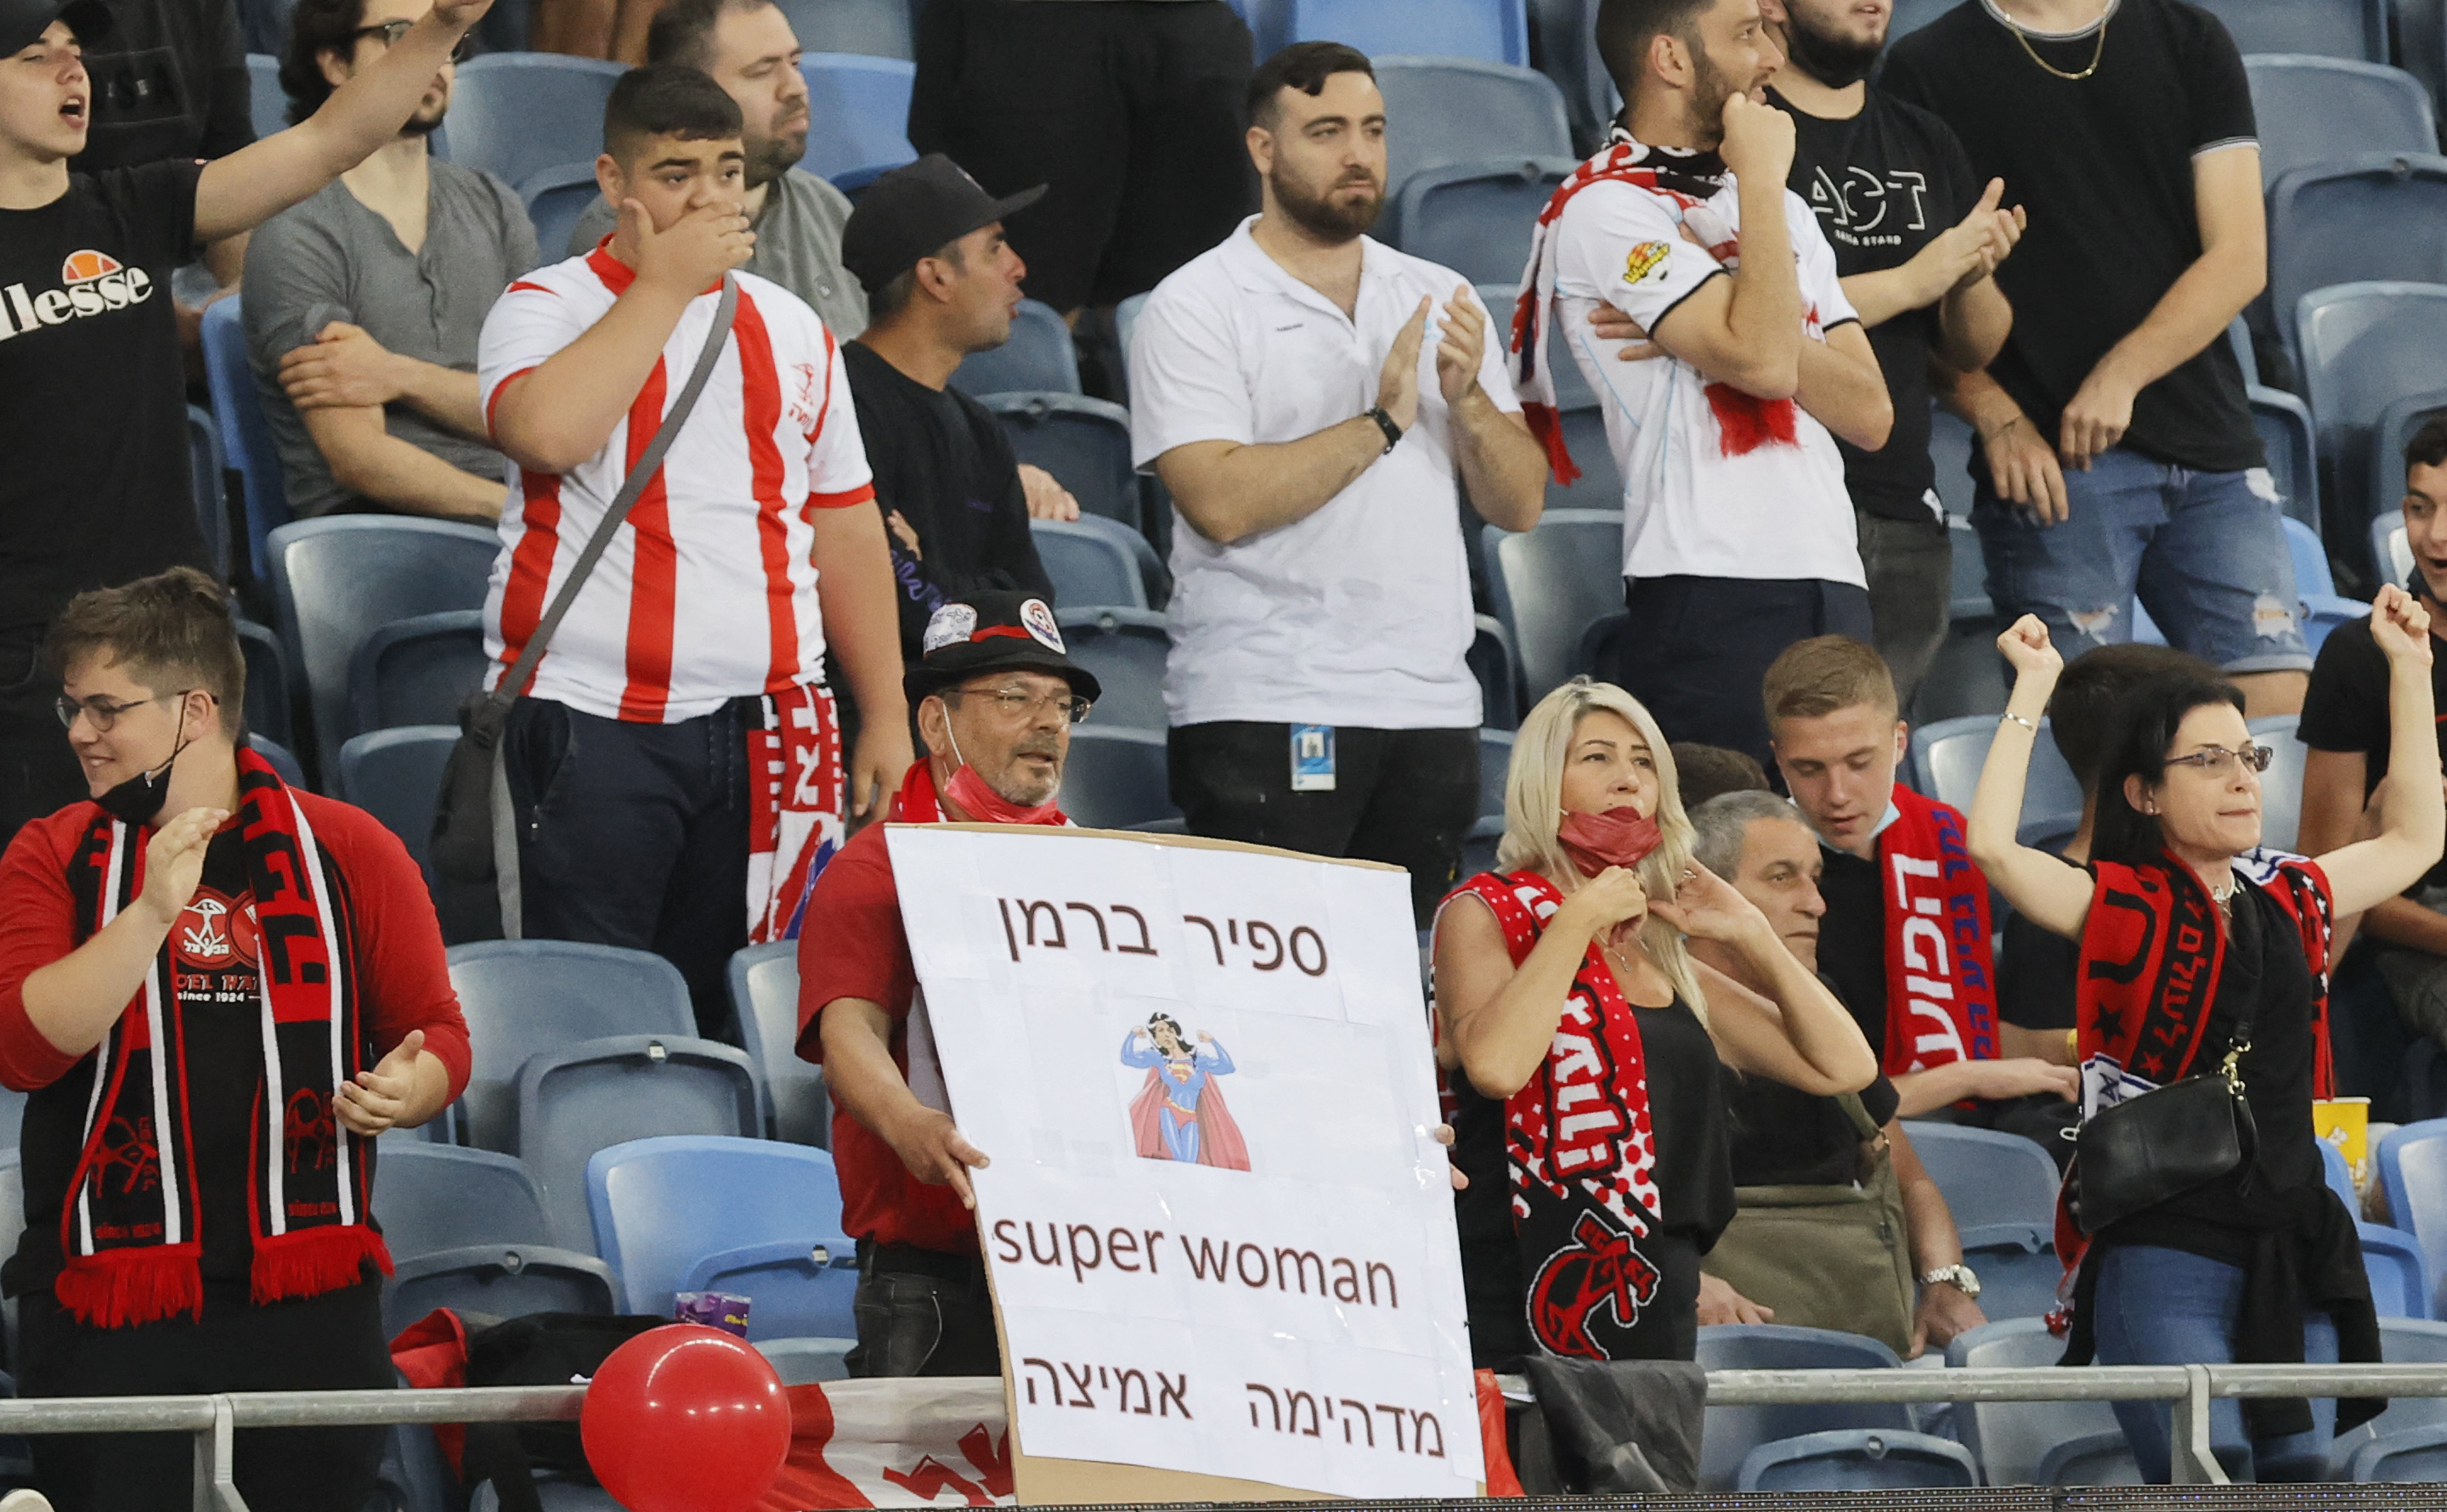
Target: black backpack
542 1349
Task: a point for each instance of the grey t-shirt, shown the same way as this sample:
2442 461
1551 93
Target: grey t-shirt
798 246
330 259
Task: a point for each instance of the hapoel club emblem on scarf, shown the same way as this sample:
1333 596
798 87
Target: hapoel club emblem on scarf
1600 1272
306 1127
129 1145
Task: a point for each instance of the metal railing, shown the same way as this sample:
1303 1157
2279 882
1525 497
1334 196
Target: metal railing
2189 1388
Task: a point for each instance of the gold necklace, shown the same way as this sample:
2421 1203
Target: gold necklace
2096 54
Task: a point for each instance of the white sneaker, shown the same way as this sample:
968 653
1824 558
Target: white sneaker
25 1501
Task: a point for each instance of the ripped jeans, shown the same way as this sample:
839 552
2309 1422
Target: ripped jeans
2206 553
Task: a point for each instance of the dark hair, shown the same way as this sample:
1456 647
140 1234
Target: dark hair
1624 28
665 99
2084 703
1708 771
2428 446
2142 731
1304 67
894 296
316 27
1156 1021
170 630
682 31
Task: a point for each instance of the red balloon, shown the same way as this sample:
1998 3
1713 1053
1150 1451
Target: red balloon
686 1418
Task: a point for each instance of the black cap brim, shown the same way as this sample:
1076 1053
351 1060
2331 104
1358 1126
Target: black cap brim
958 664
89 19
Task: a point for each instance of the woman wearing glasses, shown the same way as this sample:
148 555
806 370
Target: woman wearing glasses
2205 956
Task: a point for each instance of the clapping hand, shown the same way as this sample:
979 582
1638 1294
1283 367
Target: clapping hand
174 862
1397 383
373 1101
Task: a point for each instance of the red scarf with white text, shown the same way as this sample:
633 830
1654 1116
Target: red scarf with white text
1941 971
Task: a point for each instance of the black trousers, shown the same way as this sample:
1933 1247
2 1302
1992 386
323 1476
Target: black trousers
328 1343
1132 111
1405 797
1696 648
635 835
920 1312
38 772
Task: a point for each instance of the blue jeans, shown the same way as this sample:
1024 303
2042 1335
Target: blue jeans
2169 1307
2205 552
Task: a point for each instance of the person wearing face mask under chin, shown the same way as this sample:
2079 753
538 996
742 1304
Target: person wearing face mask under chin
217 992
1562 981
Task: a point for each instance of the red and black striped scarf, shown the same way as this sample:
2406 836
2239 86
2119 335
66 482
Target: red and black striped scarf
131 1229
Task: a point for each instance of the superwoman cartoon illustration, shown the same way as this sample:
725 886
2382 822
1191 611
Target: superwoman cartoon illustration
1180 1114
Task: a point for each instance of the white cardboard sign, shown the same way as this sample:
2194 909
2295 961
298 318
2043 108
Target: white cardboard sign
1220 1227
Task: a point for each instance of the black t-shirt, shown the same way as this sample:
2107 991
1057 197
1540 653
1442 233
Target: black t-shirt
1884 183
942 463
97 490
2346 706
2105 167
2035 971
1785 1137
1852 941
170 81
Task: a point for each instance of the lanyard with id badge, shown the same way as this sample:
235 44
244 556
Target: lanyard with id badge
1312 758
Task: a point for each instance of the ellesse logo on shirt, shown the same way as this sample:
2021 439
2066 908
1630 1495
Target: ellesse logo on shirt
92 283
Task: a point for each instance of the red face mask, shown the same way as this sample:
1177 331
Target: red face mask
986 806
1618 837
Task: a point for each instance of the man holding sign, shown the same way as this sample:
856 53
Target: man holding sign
996 695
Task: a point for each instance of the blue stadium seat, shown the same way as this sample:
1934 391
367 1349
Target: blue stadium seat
552 1494
266 101
1478 846
1095 562
557 198
807 1362
1116 778
1475 218
877 27
2340 1177
211 499
1988 1178
2286 434
2413 1455
431 1198
1944 763
2400 1274
1733 1432
1494 768
1858 1460
1598 486
1441 110
858 105
267 680
662 1206
1491 662
2413 1173
513 114
2018 1266
416 670
2332 28
497 1280
578 1098
237 411
2396 423
764 996
1084 443
396 776
281 760
2366 218
523 997
1125 649
413 1474
13 1115
1910 15
2096 1459
2281 786
2313 110
2401 1341
1564 33
2323 608
335 580
2010 1437
1487 31
2390 550
2359 348
1548 584
1038 358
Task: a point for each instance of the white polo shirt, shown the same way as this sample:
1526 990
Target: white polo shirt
1716 483
1360 613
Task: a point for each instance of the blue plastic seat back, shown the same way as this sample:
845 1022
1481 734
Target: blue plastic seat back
1116 778
12 1117
796 1289
283 761
2096 1459
858 105
246 442
2359 348
2413 1173
525 996
430 1198
659 1205
204 474
2323 110
1910 15
1478 846
337 580
515 113
1125 649
497 1280
417 671
2281 786
877 28
2332 28
2018 1267
1443 110
1495 766
552 1494
1039 357
267 103
1475 218
2415 1455
2401 1341
1858 1460
557 198
1733 1432
765 996
2010 1437
2397 423
1986 1177
267 680
2340 1176
1084 443
597 1093
808 1361
2390 551
2286 435
1490 662
413 1474
2400 1277
1094 564
396 776
2367 218
1946 759
1549 583
1487 30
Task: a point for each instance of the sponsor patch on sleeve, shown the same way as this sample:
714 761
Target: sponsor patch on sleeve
1646 261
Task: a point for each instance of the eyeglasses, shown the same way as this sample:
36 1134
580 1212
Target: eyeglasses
1018 706
103 712
390 31
2219 762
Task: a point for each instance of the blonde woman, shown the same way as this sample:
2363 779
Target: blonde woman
1582 1044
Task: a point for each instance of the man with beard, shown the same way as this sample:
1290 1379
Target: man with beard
363 304
1286 388
1738 537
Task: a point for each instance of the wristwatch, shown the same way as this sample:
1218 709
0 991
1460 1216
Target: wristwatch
1385 422
1957 1275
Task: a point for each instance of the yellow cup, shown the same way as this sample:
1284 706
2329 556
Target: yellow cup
2345 1122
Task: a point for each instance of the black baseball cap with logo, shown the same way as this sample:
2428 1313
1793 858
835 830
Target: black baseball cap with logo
992 633
23 22
910 212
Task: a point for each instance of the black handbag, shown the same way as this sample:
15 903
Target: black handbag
474 839
2163 1144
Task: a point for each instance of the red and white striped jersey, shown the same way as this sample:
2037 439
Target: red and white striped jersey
709 590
